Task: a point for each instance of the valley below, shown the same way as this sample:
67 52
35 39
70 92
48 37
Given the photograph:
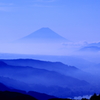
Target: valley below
47 77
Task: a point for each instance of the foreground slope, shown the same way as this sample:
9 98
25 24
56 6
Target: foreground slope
15 92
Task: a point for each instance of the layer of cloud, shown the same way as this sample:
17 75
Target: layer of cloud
78 44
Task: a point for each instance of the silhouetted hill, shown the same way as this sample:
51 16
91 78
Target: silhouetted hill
39 96
42 35
95 97
7 95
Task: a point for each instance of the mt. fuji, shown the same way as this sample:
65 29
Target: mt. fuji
43 35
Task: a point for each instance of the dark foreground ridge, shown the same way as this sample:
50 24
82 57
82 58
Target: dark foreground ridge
8 95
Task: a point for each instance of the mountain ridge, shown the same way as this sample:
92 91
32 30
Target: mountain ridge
50 66
44 80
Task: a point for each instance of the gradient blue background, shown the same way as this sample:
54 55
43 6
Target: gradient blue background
76 20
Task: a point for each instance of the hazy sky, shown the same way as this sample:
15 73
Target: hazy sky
77 20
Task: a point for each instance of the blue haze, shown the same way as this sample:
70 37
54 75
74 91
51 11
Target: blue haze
64 37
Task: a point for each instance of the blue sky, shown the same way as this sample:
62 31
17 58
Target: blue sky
77 20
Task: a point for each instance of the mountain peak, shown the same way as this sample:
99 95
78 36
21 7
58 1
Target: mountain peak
44 34
45 28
